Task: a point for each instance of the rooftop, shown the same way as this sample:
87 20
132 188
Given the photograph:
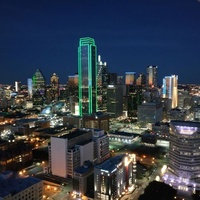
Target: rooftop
111 164
14 185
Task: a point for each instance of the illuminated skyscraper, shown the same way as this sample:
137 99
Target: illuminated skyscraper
102 83
39 82
151 76
39 87
170 89
54 86
30 87
130 78
141 80
87 72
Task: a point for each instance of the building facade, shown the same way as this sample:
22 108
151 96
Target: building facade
184 156
115 100
73 149
15 188
114 177
150 112
151 76
170 89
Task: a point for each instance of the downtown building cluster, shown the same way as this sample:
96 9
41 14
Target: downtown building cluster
92 97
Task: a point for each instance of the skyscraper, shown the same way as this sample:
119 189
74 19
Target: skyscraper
54 86
87 72
151 76
39 87
130 78
39 82
102 83
170 89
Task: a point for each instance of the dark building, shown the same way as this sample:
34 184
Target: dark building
97 120
115 100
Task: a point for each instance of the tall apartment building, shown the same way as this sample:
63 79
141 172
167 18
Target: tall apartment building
69 151
87 72
170 89
151 76
114 177
184 156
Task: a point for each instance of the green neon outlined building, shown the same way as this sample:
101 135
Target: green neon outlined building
87 71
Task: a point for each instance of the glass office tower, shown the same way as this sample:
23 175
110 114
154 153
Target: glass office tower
87 72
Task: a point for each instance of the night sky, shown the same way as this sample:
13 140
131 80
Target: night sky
130 35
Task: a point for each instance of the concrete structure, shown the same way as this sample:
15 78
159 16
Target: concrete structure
71 150
114 177
15 188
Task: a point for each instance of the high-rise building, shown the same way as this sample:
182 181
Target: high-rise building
170 89
114 177
73 85
112 78
102 83
17 86
150 112
130 78
30 87
39 87
151 76
141 80
87 72
54 81
115 100
184 153
73 149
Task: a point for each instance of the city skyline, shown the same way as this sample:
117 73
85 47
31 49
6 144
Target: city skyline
129 37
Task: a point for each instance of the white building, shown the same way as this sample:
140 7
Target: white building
69 151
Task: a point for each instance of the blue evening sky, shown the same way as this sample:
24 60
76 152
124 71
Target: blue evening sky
130 35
